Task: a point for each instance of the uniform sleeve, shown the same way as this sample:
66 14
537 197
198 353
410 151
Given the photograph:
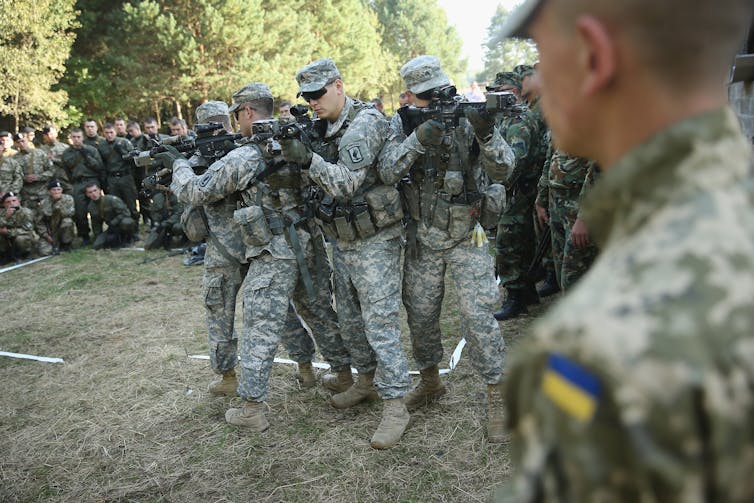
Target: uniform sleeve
18 177
519 138
47 168
399 153
93 209
67 206
543 186
495 155
359 149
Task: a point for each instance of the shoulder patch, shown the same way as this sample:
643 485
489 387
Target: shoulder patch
571 387
354 151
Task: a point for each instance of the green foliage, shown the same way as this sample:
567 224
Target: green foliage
504 54
35 41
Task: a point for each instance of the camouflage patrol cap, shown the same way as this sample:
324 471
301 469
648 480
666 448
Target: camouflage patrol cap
211 109
505 79
317 75
524 70
423 73
517 24
250 92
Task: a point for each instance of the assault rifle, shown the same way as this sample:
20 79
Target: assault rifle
446 106
208 143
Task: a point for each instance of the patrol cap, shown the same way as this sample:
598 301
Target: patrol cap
250 92
7 195
211 109
517 24
54 184
4 134
317 75
423 73
19 137
505 79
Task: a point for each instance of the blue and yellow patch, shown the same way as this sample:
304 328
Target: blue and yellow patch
573 388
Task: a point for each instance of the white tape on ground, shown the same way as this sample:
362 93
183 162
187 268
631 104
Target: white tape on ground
32 357
23 264
453 363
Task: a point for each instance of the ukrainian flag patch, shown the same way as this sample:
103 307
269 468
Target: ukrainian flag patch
574 389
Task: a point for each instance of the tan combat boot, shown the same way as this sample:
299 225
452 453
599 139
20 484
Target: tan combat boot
250 416
495 422
339 381
305 375
429 389
358 392
395 418
225 384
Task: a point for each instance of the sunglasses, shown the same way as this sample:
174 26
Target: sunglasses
314 95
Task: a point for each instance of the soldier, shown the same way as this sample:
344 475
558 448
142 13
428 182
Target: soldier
227 259
142 143
54 150
92 138
18 240
165 212
639 385
151 129
85 166
11 173
120 180
37 169
364 216
516 240
110 210
440 243
54 220
120 128
7 140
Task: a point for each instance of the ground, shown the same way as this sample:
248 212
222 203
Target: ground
127 416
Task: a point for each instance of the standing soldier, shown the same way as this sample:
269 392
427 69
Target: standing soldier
54 150
7 140
120 181
92 138
55 220
639 384
37 169
447 198
84 165
364 217
11 173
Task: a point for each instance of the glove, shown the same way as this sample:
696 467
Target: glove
168 155
430 133
149 182
296 152
482 123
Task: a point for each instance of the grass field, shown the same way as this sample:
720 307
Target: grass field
127 416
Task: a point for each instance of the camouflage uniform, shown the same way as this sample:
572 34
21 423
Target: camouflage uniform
34 162
21 240
366 269
441 244
84 166
560 190
120 180
655 339
55 219
112 211
11 175
165 213
54 152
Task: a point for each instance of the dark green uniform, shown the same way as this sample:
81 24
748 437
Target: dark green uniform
120 181
84 166
112 211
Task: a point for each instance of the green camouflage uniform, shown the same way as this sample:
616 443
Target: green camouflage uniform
112 211
120 181
34 162
639 384
21 240
55 219
54 152
84 166
11 175
560 190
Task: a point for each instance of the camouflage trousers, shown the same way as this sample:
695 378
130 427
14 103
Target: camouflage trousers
31 195
367 295
470 270
515 241
124 188
570 262
21 244
270 286
62 234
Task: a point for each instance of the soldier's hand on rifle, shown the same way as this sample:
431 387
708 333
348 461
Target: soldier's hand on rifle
430 133
150 182
482 123
168 155
295 151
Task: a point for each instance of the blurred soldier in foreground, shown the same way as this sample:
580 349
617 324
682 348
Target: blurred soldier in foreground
84 165
54 220
18 240
364 217
111 211
447 199
639 384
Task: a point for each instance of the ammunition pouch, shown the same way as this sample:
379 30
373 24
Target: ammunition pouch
253 221
456 215
363 216
493 204
194 223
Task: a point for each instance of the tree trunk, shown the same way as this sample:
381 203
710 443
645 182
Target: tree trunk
178 112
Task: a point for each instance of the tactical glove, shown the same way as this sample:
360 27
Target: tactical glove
168 156
296 152
430 133
482 123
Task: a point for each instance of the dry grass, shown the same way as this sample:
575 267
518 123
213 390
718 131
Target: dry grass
127 418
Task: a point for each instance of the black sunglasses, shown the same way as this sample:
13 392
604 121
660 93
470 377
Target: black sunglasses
314 95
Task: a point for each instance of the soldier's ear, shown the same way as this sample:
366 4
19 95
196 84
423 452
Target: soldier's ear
597 60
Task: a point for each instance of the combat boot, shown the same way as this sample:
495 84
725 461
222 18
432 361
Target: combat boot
495 421
512 307
339 381
549 287
305 375
225 384
529 295
395 418
250 416
361 390
429 389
